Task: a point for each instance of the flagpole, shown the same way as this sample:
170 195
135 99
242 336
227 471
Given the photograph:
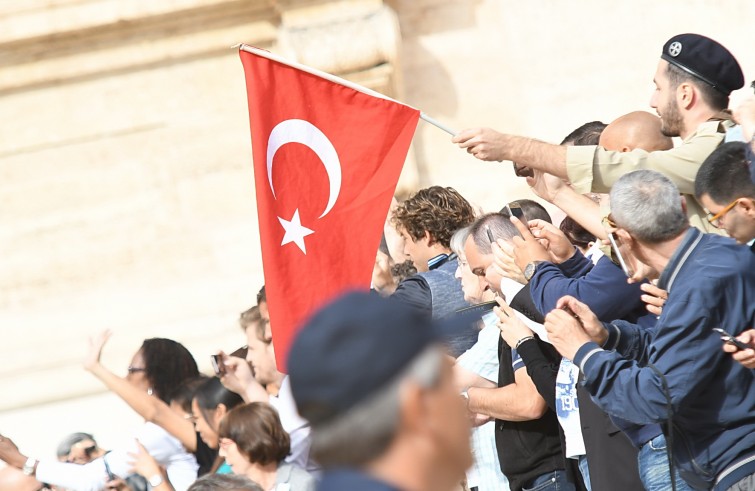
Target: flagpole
337 80
438 124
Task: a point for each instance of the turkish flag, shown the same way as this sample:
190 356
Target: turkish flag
327 159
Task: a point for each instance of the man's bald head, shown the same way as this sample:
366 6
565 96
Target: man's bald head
637 129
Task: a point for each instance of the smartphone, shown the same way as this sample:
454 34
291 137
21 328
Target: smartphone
110 475
217 365
522 171
622 262
515 211
729 338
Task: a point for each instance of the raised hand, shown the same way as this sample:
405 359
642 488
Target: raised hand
96 344
553 239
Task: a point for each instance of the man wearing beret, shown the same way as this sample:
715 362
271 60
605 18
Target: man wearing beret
385 415
693 81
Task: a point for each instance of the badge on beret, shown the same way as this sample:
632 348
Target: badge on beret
675 48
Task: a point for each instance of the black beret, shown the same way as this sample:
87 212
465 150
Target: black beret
352 348
706 59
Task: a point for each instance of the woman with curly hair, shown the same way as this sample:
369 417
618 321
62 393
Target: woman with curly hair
157 368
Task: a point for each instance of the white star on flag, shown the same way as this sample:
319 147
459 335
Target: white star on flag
295 232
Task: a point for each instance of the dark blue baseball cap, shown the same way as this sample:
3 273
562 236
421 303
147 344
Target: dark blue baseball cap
352 348
705 59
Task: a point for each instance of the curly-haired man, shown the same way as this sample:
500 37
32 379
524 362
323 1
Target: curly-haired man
427 220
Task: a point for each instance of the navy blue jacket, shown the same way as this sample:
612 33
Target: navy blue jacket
600 286
351 480
711 283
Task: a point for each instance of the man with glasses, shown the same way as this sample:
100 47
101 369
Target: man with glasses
677 374
723 186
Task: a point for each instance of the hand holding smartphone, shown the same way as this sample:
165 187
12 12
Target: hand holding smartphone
619 257
218 364
729 338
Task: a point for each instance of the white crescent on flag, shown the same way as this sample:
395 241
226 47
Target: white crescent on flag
304 132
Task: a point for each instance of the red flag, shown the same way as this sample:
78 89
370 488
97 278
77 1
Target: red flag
327 159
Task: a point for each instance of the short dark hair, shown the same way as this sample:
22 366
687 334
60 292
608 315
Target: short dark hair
224 482
211 394
167 364
587 134
500 228
717 100
725 174
576 234
256 430
184 394
437 210
531 209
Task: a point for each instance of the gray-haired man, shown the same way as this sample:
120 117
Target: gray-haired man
385 415
677 373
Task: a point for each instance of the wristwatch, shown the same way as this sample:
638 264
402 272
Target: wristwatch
155 480
529 270
30 467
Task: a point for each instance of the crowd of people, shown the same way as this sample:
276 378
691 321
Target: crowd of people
496 350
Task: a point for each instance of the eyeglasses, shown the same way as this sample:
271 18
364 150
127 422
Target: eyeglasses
608 222
136 369
715 220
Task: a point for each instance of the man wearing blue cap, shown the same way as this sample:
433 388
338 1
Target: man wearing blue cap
385 416
693 81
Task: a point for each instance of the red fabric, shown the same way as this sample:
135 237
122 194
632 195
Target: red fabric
371 137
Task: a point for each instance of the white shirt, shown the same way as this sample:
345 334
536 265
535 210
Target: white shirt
296 426
180 465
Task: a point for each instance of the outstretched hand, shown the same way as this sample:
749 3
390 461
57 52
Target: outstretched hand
484 143
96 344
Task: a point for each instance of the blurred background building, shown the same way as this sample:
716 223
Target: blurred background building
126 186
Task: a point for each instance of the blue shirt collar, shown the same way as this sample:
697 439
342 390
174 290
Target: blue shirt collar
439 260
691 238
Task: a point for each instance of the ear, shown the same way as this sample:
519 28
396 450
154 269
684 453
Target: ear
684 203
747 206
413 417
624 237
429 237
686 95
625 149
220 412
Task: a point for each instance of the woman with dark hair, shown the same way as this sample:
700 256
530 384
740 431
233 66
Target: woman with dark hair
157 368
212 401
254 443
